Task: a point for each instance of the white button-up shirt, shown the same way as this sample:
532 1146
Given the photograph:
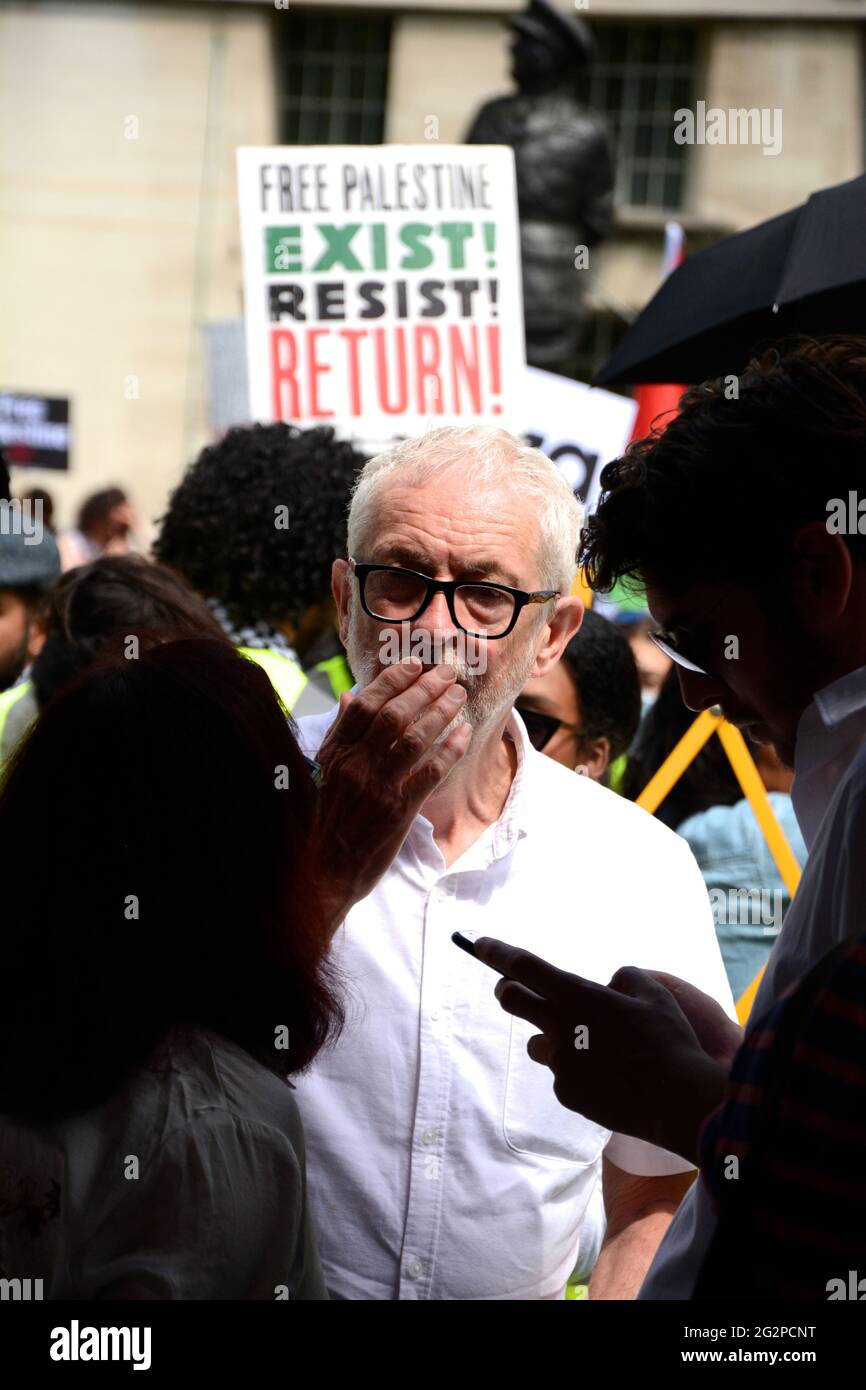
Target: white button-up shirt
829 795
440 1164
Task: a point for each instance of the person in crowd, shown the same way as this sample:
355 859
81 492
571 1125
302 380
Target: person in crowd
652 664
585 710
93 607
775 633
106 525
707 807
41 504
440 1166
252 527
29 566
709 779
169 974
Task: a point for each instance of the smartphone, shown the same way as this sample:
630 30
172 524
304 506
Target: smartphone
469 946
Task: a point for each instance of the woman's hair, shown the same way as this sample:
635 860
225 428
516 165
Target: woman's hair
708 781
153 831
600 662
108 600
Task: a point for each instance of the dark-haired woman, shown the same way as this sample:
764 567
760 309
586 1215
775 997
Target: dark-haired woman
90 607
168 901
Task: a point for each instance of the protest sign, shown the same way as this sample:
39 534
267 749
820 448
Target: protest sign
382 286
34 429
581 428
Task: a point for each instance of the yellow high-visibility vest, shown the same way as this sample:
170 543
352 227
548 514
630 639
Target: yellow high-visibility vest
285 675
8 699
336 668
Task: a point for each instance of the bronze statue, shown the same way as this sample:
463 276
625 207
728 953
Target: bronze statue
564 174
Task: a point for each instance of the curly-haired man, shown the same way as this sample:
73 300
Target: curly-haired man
254 526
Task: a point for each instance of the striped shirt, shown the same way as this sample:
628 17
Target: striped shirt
784 1157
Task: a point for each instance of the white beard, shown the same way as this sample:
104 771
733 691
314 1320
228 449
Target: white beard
488 695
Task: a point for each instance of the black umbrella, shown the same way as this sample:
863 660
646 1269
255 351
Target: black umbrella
804 271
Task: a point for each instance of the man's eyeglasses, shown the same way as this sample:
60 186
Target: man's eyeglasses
391 594
667 642
541 727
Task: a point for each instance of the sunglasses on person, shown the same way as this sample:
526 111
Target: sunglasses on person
541 727
672 644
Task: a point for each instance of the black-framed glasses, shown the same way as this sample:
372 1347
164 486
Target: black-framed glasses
391 594
541 727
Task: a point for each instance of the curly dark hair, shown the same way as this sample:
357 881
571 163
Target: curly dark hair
721 489
220 529
604 671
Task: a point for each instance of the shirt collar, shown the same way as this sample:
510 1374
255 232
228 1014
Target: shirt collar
842 698
499 838
512 825
830 731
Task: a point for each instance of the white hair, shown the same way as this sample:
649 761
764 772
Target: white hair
486 459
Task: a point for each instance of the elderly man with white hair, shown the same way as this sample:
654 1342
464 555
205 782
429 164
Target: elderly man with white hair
441 1165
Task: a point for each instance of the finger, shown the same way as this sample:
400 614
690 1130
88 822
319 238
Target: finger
529 970
395 721
636 983
357 715
687 995
540 1049
419 737
719 1035
435 766
523 1003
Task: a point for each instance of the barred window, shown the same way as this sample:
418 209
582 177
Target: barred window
332 77
600 334
644 73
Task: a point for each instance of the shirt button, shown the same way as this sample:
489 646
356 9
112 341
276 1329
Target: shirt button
434 1014
429 1136
414 1269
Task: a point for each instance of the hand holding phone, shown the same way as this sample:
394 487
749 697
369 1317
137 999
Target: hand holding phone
468 946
